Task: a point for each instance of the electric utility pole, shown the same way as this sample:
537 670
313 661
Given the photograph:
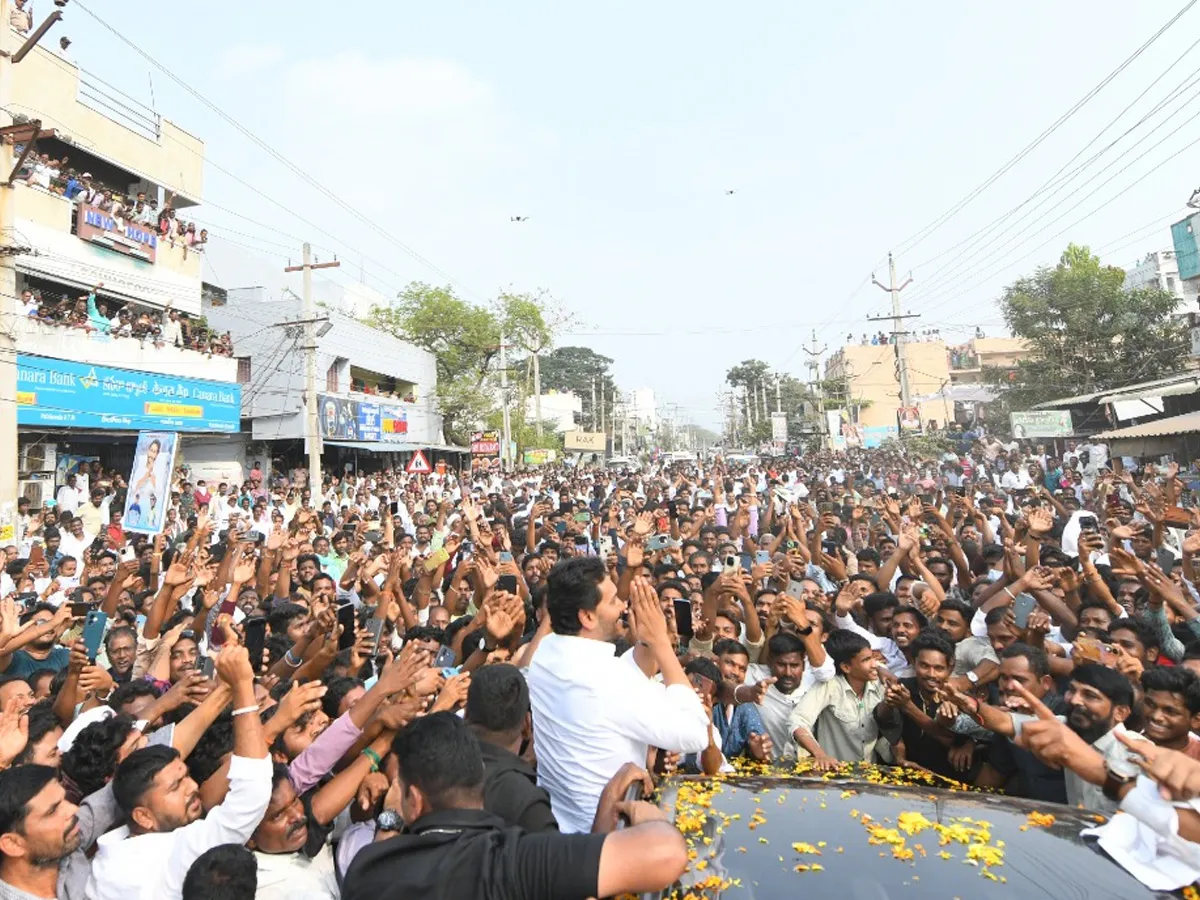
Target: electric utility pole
312 430
506 421
898 333
10 248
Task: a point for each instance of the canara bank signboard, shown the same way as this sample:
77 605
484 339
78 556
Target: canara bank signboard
98 227
58 393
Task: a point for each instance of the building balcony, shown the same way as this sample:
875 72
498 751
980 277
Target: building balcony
102 120
38 338
79 246
963 362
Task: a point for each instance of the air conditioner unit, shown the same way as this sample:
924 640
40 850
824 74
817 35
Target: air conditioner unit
38 490
38 458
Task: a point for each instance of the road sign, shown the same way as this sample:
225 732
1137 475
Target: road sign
418 465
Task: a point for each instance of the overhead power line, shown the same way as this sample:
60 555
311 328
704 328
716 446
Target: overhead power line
910 243
266 147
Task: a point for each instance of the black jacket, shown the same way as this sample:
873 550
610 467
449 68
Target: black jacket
510 790
470 853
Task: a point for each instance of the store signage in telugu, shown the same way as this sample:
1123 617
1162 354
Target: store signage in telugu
485 443
58 393
1041 423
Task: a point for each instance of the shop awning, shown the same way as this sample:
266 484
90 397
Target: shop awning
394 446
1187 423
1145 393
1185 383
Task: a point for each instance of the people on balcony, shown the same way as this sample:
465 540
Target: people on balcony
54 176
168 327
21 16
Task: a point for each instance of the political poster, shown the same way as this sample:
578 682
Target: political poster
149 492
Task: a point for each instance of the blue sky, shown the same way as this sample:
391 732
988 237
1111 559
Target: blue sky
843 129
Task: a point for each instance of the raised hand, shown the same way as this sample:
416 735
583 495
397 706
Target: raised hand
760 746
644 523
453 693
1041 522
646 615
1177 774
301 699
14 731
233 665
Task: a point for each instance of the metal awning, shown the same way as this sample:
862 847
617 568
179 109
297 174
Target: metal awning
1187 423
1182 383
394 446
1144 393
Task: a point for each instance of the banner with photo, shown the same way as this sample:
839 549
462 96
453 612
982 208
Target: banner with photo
344 419
149 492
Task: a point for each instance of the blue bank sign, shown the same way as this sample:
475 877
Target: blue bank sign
58 393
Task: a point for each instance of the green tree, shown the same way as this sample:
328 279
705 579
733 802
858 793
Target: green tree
1086 332
464 339
575 369
748 378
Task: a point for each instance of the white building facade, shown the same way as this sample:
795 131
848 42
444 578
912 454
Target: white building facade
1160 269
375 394
562 411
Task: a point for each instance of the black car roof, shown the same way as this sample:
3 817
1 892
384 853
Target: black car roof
766 837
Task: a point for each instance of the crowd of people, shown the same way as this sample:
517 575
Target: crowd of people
107 319
884 338
448 683
57 177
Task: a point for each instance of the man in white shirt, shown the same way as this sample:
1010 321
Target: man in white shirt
285 871
148 858
172 332
1015 478
29 304
69 496
592 711
798 661
75 542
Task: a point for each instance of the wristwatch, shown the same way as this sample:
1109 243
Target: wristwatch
973 678
1117 776
388 820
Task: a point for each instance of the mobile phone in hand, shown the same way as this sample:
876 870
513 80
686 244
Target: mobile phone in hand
93 632
375 627
255 630
507 583
1022 607
207 666
345 617
683 618
444 659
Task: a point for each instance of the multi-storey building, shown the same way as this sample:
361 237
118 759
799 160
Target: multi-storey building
1160 269
872 382
83 389
376 394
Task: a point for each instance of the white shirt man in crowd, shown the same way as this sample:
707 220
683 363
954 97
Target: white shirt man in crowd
594 711
798 661
69 496
150 857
